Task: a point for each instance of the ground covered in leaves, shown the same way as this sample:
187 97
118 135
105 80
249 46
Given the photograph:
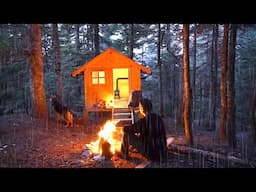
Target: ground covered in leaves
26 142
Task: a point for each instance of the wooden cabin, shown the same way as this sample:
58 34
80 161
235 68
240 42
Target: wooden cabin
109 79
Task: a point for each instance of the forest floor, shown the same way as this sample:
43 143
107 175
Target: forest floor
31 143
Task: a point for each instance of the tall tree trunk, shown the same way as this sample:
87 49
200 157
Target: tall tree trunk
159 63
172 72
200 103
215 76
37 73
77 26
223 85
174 105
96 39
56 45
207 84
194 76
131 40
180 119
231 125
187 99
254 116
212 100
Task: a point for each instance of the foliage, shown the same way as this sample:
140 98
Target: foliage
15 75
245 74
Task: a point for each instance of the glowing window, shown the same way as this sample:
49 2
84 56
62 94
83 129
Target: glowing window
98 77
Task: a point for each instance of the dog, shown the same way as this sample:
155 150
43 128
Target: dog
62 112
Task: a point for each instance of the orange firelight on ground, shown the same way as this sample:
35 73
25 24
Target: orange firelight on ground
109 133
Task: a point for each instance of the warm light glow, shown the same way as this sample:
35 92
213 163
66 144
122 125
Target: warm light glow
109 101
141 110
110 133
123 85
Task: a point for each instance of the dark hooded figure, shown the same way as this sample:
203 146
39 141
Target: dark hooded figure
147 135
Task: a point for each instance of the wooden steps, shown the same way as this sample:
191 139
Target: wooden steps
123 115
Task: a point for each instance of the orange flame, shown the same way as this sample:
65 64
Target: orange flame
110 133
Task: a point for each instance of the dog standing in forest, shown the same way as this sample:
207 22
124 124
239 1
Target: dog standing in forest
62 112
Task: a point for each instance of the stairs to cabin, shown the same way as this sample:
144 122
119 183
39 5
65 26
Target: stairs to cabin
123 115
121 103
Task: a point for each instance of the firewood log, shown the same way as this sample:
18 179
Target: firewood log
185 149
106 149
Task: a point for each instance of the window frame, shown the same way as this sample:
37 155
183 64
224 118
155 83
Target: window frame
98 77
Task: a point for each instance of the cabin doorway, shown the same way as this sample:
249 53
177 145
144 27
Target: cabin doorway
121 87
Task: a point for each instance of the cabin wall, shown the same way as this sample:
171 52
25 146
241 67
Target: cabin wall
94 93
135 81
106 62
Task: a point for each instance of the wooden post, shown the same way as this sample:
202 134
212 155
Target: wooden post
86 118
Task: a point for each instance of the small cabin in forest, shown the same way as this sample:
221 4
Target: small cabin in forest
109 79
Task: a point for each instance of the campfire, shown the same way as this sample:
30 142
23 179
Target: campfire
109 141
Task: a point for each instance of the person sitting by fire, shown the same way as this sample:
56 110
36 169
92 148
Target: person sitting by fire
147 135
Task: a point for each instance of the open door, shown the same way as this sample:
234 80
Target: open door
121 87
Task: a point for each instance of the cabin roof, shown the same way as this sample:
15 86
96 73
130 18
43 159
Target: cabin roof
108 54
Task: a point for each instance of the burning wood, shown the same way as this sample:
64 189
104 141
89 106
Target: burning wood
109 141
105 146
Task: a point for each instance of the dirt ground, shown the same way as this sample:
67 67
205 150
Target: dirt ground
31 143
